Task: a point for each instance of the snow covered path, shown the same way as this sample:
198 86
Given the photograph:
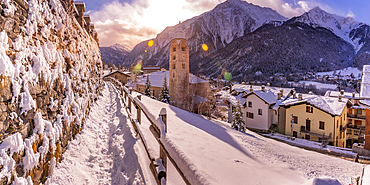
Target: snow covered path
105 152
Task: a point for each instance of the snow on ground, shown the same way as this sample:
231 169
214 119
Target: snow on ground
317 84
216 154
343 72
105 152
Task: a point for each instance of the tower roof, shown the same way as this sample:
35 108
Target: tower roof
179 32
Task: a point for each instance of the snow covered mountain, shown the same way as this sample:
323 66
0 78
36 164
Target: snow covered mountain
115 54
344 27
245 39
216 28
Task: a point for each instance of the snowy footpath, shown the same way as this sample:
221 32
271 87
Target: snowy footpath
106 151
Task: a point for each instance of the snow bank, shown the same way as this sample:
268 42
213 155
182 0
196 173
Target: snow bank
322 181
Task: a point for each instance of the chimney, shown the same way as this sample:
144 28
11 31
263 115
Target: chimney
294 95
353 94
251 88
279 95
281 91
263 88
299 97
340 98
268 84
341 92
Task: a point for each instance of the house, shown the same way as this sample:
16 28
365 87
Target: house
356 117
260 105
121 76
316 118
157 78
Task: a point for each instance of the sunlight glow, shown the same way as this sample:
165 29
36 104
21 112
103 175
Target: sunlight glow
205 47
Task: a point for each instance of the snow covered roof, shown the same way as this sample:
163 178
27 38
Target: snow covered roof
269 95
246 88
348 95
330 105
127 73
151 67
365 85
156 79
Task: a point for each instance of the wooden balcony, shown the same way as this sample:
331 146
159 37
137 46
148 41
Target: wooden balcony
356 116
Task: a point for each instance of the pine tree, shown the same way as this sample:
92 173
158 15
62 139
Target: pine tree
147 90
165 95
238 122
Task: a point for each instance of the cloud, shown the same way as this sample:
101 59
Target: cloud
131 23
351 14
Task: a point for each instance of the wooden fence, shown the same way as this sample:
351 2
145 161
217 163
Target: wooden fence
158 128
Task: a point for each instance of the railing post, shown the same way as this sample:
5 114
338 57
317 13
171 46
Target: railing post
162 154
163 115
138 110
129 100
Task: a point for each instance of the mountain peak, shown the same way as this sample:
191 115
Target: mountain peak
121 47
317 9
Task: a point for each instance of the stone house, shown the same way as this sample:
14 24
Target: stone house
157 78
122 76
316 118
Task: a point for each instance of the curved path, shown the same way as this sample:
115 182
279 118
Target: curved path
106 151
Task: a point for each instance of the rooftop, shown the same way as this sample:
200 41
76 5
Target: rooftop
330 105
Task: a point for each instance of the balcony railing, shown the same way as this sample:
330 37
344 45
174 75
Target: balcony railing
357 116
355 127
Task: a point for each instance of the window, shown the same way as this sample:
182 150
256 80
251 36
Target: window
173 75
294 134
174 57
322 125
250 115
307 137
295 119
174 49
183 48
359 111
259 111
173 66
355 132
249 104
309 109
337 123
183 65
153 92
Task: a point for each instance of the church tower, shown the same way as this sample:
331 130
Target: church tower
179 69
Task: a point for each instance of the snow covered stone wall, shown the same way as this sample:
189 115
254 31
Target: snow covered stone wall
49 76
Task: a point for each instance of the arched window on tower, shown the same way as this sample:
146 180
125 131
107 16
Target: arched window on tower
183 66
183 48
173 75
173 66
174 49
174 57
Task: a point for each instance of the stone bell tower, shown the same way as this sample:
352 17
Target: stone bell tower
179 69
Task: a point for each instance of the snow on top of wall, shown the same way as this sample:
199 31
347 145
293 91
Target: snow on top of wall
328 104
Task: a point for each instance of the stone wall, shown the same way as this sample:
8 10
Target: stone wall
46 93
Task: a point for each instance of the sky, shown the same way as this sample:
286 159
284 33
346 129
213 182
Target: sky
129 22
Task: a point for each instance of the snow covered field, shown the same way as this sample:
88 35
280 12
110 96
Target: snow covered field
317 84
106 152
343 72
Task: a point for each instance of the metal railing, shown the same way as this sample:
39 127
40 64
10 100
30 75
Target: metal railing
157 167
